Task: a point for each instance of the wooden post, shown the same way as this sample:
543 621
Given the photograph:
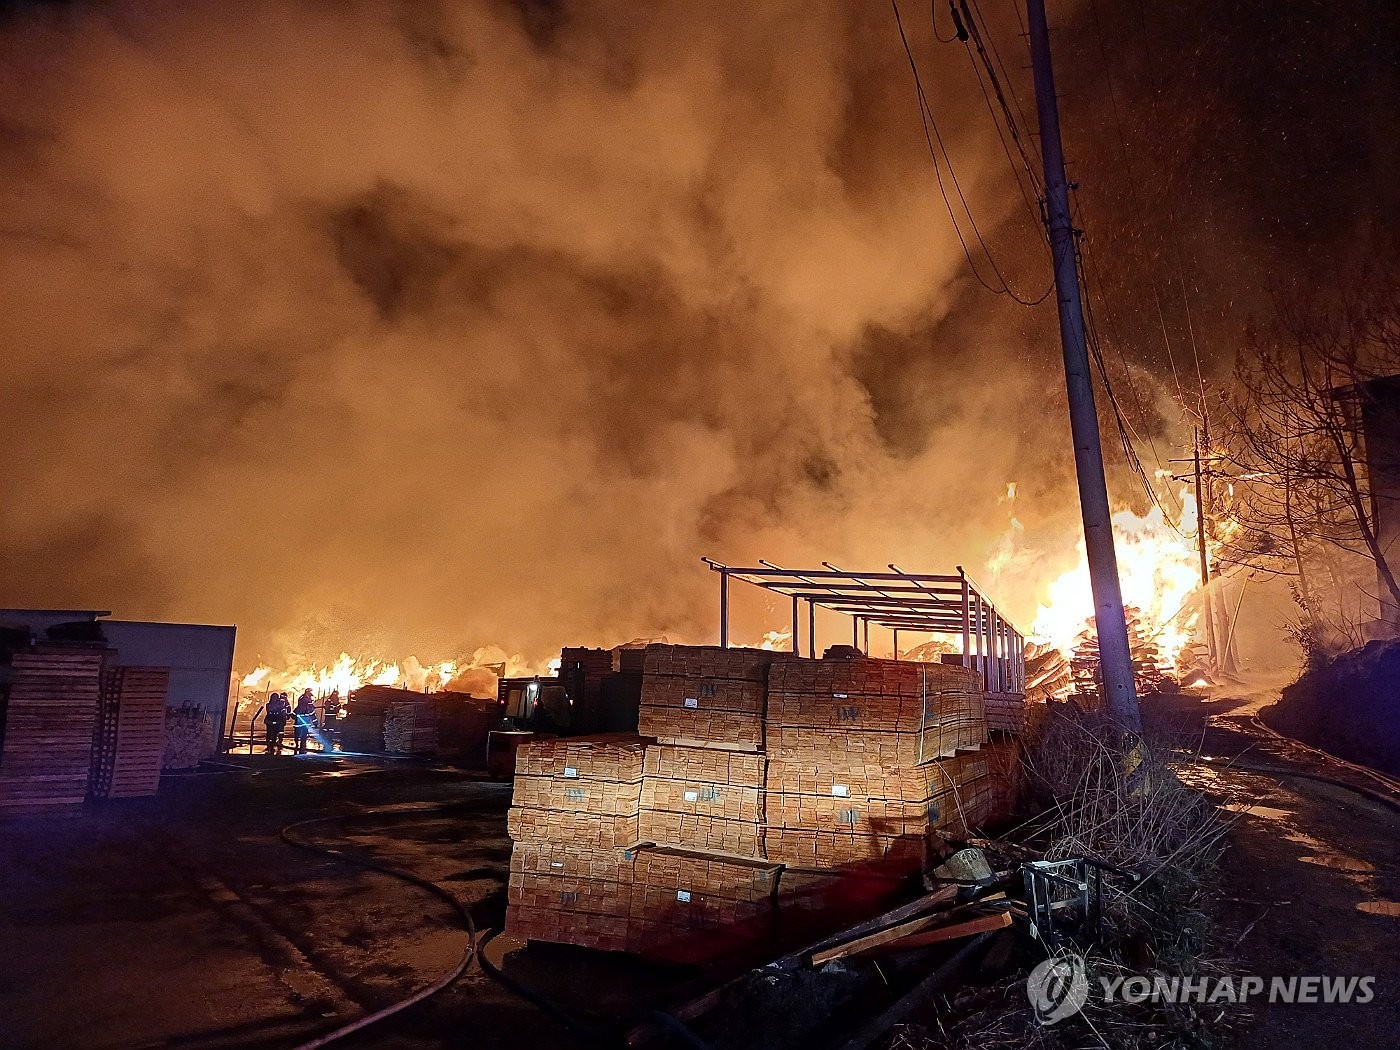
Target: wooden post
724 609
966 618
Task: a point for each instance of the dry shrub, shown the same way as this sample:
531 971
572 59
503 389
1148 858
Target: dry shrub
1143 819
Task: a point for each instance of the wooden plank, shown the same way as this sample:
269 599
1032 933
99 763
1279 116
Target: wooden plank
982 924
865 937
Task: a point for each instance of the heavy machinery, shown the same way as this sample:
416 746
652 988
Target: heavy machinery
595 691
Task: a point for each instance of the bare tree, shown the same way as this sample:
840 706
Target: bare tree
1301 504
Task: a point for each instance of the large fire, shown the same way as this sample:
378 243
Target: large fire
1157 566
347 673
1158 569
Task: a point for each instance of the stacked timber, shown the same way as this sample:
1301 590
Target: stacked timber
863 759
776 791
703 798
129 741
411 728
362 728
692 907
446 723
573 819
464 723
1006 714
189 737
51 717
582 672
1005 769
704 696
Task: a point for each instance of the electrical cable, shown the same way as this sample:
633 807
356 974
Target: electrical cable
1172 241
933 21
1086 261
1124 426
982 37
933 134
977 56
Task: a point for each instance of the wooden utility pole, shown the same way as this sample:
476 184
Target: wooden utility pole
1201 546
1115 659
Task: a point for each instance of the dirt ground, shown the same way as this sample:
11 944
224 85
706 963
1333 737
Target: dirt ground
1305 855
185 921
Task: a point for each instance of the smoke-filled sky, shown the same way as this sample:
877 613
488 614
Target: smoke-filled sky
417 326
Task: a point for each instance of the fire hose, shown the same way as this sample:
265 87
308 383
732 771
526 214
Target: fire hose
474 946
289 835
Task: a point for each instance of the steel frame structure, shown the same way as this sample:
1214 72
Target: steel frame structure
899 601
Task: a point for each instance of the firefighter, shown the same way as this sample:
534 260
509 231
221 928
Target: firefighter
278 711
305 715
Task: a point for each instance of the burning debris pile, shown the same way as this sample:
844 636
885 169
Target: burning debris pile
1159 574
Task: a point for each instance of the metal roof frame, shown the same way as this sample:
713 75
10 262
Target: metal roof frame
896 600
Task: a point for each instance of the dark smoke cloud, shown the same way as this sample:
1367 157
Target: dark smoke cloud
420 326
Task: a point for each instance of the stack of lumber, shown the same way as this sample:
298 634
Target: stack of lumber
362 728
189 737
1006 714
691 907
935 710
620 702
773 788
570 894
703 798
464 723
129 742
582 672
411 728
862 758
446 723
1004 761
50 721
704 696
573 819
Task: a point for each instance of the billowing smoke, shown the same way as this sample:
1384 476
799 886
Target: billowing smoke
431 325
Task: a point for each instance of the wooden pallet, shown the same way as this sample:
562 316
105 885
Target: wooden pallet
130 739
50 723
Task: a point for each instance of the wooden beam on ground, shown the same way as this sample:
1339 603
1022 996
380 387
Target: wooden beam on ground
982 924
871 933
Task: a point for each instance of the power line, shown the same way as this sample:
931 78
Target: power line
932 134
1005 73
933 21
1132 185
1172 240
980 61
982 41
